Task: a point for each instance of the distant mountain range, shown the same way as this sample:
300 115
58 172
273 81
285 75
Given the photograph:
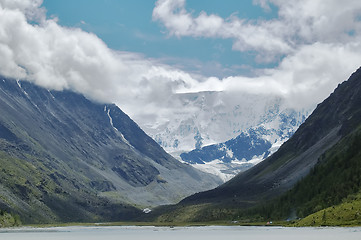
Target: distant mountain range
318 167
224 134
248 148
66 158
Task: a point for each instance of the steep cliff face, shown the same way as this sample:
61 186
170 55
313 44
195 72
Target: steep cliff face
66 158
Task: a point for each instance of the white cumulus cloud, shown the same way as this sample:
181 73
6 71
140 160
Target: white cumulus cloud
298 23
319 42
60 58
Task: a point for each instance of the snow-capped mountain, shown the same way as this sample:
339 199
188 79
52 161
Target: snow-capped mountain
203 123
248 148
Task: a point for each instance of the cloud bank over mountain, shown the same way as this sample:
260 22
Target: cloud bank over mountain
313 43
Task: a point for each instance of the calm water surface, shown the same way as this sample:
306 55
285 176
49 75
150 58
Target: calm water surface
178 233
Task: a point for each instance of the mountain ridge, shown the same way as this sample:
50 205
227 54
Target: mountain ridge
74 156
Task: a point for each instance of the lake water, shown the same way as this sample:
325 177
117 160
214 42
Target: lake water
181 233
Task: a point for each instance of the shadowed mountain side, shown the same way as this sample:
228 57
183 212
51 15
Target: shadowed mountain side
66 158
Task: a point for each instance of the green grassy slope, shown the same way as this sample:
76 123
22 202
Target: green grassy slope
8 220
348 213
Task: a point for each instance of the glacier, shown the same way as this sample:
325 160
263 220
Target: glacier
214 123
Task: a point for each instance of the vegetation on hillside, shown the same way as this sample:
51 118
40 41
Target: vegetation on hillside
9 220
336 177
348 213
31 189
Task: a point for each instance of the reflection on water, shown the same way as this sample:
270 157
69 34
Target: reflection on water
181 233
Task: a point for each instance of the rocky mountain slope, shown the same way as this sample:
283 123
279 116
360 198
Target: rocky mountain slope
65 158
317 167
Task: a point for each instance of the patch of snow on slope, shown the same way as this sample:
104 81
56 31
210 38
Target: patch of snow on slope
26 94
226 171
111 123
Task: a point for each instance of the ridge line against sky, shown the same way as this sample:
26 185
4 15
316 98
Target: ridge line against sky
300 52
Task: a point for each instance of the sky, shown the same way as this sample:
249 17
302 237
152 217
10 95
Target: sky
139 53
128 26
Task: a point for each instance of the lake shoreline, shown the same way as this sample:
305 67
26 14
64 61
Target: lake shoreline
180 232
290 224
